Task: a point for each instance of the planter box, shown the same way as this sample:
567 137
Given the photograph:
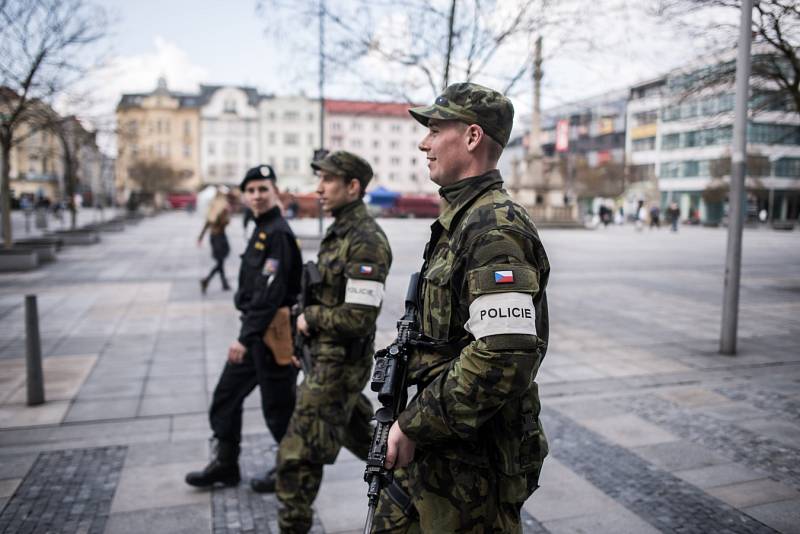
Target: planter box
37 241
46 252
77 237
16 259
783 225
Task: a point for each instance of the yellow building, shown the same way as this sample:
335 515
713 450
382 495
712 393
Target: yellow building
158 126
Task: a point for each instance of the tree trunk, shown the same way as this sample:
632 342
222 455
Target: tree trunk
451 24
5 193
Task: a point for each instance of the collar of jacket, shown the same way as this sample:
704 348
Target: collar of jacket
460 194
268 215
347 215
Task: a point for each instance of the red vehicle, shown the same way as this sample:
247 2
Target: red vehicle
423 206
181 199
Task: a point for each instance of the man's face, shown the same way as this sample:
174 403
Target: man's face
259 195
335 191
445 147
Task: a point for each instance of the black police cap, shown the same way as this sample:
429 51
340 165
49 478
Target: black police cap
262 172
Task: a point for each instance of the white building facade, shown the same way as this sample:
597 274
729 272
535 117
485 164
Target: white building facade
386 136
229 133
289 134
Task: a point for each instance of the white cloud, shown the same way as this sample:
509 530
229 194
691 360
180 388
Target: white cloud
133 74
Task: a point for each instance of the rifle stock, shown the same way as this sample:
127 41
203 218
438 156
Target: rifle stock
310 278
389 381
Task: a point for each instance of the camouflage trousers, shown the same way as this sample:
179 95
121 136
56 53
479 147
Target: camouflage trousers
331 413
450 496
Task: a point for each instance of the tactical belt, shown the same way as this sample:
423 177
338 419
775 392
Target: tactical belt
402 499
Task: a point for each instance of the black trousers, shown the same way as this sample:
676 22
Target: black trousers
277 385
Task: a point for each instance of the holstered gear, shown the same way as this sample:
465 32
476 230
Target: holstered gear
278 336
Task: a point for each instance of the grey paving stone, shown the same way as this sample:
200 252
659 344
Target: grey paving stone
735 411
619 521
679 455
17 465
144 487
719 475
173 404
754 493
63 488
155 387
100 410
782 431
148 454
783 516
105 388
629 430
188 519
664 501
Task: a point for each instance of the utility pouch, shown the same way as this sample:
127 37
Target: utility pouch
278 336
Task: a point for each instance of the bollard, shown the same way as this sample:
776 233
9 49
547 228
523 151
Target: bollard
33 355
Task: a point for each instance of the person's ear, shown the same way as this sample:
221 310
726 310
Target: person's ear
473 136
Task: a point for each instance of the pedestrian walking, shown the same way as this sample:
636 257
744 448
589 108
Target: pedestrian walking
217 220
332 412
468 448
673 216
269 281
655 216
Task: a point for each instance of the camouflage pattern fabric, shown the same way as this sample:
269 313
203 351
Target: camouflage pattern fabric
331 411
346 164
480 444
472 104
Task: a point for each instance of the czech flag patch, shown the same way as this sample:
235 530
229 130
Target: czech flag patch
365 269
504 277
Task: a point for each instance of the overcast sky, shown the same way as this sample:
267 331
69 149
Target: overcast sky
225 42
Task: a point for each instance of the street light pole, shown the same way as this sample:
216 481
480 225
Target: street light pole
733 259
321 96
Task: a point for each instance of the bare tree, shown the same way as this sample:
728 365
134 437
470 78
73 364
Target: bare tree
42 57
775 77
432 42
154 176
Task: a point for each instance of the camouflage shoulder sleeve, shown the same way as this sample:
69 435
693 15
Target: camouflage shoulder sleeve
500 287
366 267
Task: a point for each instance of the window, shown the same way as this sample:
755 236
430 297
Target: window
356 126
271 138
395 127
187 128
291 116
773 134
291 164
394 145
376 143
231 149
787 168
646 143
290 138
187 150
356 143
310 140
376 126
247 150
413 161
212 171
271 115
211 148
395 161
229 106
336 126
133 127
310 117
392 176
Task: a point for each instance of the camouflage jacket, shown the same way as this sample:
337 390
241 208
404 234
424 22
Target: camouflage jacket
484 313
354 259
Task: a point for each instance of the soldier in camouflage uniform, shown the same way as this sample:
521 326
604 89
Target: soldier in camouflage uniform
331 412
469 446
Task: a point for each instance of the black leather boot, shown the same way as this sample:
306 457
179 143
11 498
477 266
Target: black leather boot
265 484
223 468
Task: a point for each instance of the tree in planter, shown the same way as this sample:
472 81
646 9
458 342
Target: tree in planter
154 176
43 56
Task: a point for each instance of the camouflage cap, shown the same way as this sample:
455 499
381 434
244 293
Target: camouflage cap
473 104
345 164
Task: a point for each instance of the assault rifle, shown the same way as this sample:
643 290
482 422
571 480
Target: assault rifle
389 381
310 278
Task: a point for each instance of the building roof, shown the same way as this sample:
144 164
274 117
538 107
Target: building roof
206 92
360 107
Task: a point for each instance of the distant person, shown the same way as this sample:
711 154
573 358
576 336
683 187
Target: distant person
269 281
655 216
641 215
673 216
217 220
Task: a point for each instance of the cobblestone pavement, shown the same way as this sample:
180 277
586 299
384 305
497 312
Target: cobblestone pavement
66 491
651 429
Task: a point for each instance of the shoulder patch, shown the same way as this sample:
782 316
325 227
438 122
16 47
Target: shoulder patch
502 279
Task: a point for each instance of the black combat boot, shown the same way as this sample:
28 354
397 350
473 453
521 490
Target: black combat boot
265 484
223 468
